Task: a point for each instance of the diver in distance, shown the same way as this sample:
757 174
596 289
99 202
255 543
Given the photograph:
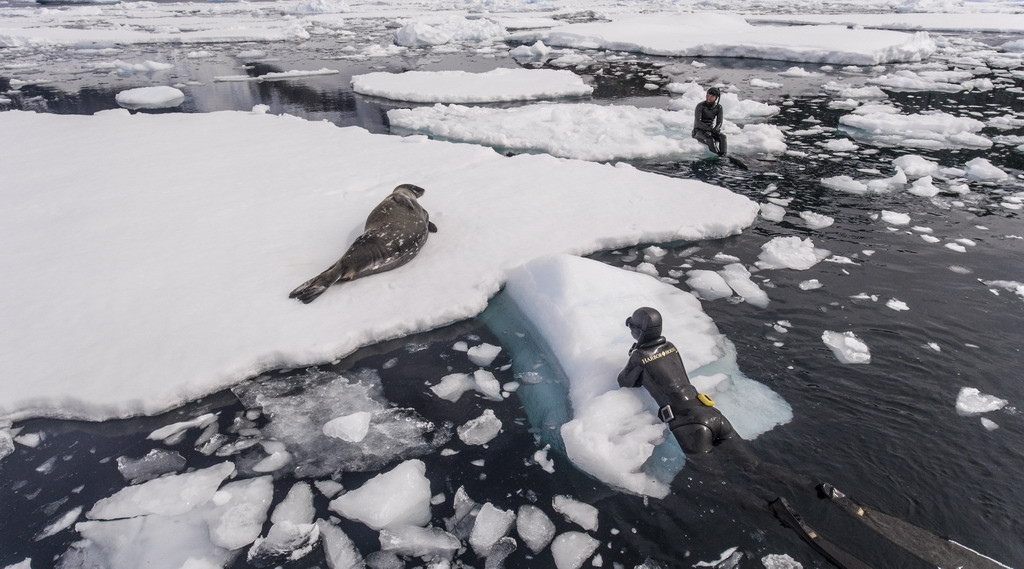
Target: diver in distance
707 122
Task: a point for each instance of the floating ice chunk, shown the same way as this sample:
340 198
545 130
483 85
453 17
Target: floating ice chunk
488 385
413 541
874 186
491 525
536 52
647 269
157 462
772 212
571 549
840 145
915 166
811 284
483 354
981 169
816 220
25 564
428 31
895 218
398 497
970 401
789 253
777 561
709 285
170 495
164 433
738 278
572 60
933 129
60 524
351 428
277 460
583 131
293 534
1012 286
240 511
30 440
453 385
161 97
464 87
989 424
846 91
923 187
339 551
535 527
612 438
460 346
884 185
419 34
763 84
481 430
930 238
155 542
955 247
329 488
276 75
907 80
653 254
579 513
541 458
797 72
298 407
897 305
845 184
847 347
251 54
6 443
321 7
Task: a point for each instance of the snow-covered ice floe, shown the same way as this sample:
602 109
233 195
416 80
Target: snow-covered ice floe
150 98
584 131
885 125
179 282
614 431
728 35
951 21
464 87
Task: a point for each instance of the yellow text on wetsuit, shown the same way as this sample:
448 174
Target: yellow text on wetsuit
650 359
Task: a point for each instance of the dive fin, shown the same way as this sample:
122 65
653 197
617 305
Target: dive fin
927 546
836 556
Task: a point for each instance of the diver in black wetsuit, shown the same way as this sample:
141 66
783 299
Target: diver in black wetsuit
655 363
707 122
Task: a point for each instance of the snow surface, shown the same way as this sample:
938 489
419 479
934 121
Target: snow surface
584 131
221 237
614 431
464 87
727 35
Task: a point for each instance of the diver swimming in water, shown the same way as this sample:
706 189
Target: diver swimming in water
707 122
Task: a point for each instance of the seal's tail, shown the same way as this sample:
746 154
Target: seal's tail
309 291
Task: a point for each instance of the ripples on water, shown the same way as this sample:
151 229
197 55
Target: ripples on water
887 432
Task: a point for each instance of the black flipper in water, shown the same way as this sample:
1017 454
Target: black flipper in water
929 547
836 556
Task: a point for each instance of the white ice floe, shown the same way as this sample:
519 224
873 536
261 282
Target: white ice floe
170 495
738 278
339 551
483 355
162 97
277 75
613 431
709 285
464 87
293 533
318 7
971 401
897 305
491 525
733 108
907 80
430 30
534 527
60 524
763 84
169 431
954 16
772 212
847 91
729 35
572 548
154 464
923 187
798 72
351 428
983 170
867 186
915 166
816 220
930 129
188 244
847 347
398 497
481 430
780 561
840 145
812 284
790 253
894 218
579 513
412 541
583 131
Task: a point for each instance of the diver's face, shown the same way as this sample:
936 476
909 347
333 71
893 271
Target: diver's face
711 98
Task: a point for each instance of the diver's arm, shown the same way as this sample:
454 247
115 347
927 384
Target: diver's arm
719 119
630 375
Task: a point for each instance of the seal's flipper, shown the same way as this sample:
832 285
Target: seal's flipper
431 227
925 545
309 291
836 556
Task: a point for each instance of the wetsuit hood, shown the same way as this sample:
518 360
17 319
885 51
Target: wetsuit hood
644 325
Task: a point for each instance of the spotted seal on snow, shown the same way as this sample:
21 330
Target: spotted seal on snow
395 232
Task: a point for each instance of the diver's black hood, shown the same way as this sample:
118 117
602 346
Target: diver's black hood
645 324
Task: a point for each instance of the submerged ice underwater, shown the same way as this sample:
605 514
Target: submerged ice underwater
848 292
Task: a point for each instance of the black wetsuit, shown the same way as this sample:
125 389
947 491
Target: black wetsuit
707 125
656 364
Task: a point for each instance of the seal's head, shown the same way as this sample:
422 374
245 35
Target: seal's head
411 190
644 324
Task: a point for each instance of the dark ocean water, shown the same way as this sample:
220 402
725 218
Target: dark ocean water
887 433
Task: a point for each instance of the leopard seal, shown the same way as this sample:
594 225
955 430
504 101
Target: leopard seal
394 233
